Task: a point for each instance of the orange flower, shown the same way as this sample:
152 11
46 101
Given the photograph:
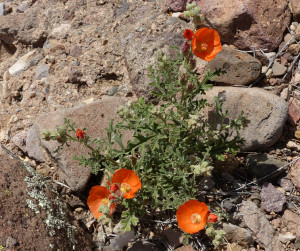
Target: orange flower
80 134
192 216
128 182
206 43
188 34
98 196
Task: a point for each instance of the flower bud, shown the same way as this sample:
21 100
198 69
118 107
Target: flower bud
185 48
62 131
46 135
187 14
192 63
191 87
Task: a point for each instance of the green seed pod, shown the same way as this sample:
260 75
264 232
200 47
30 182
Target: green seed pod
187 14
197 9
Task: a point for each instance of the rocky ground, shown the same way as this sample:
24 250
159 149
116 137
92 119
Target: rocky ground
81 59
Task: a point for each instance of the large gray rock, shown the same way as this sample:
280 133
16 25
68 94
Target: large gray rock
95 117
248 23
240 67
266 114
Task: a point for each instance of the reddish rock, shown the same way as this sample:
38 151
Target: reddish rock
295 174
247 24
294 113
292 222
177 5
272 199
95 117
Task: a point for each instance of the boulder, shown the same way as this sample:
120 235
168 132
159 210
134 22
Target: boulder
266 114
95 117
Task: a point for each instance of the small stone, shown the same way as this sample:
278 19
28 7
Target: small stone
237 234
295 8
284 238
292 145
26 61
74 74
294 49
61 31
285 94
113 91
286 184
272 199
270 55
278 69
76 51
42 71
268 73
22 7
229 206
177 5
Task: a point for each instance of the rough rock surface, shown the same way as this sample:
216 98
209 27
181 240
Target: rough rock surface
257 222
272 200
237 234
265 111
247 24
292 222
260 165
295 6
240 67
20 225
95 117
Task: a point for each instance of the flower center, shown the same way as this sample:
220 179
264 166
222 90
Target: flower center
201 46
105 201
196 218
125 188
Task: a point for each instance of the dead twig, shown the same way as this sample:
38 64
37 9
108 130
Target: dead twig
271 62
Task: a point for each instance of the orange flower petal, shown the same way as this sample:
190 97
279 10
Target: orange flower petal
185 212
211 38
129 177
96 195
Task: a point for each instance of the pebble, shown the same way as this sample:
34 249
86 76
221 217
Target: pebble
278 69
294 49
29 59
61 31
22 7
284 238
268 73
286 184
11 242
42 71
